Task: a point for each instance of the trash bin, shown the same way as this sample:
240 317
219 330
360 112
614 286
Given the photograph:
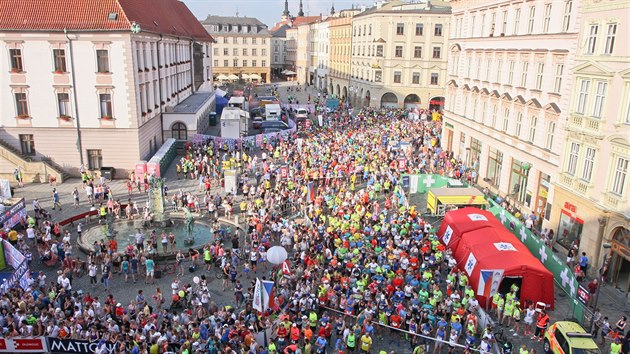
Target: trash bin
212 119
108 172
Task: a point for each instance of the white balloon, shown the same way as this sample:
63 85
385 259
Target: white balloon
196 280
276 255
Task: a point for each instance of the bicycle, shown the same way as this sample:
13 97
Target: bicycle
166 268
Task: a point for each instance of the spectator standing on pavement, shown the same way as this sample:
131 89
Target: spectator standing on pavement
620 327
75 196
605 330
584 262
55 199
592 290
541 325
150 266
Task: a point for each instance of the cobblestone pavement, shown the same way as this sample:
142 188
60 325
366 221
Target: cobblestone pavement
612 302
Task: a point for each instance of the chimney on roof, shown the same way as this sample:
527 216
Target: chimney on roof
428 7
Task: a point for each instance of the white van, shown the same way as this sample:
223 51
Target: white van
273 112
301 114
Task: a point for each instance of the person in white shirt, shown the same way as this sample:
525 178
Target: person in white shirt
30 235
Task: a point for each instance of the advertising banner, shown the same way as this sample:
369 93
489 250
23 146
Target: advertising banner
12 216
17 261
23 345
423 182
73 346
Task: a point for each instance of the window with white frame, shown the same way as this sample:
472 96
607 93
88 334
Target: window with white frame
583 96
600 95
517 21
540 68
610 38
574 152
506 120
589 163
620 176
519 124
533 122
592 39
627 120
557 82
532 18
63 104
504 25
551 131
483 25
524 69
105 100
512 64
488 66
494 116
21 104
472 26
498 69
547 19
566 18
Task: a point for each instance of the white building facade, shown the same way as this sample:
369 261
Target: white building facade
95 95
508 94
592 197
322 47
398 55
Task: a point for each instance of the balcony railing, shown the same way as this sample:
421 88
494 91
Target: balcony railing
584 124
614 201
566 180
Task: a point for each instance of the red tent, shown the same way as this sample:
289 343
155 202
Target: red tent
458 222
493 247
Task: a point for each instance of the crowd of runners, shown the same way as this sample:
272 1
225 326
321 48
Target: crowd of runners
366 265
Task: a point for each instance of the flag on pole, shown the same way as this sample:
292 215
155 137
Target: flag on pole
258 296
485 277
267 295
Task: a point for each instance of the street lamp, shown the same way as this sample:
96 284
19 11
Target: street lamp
600 283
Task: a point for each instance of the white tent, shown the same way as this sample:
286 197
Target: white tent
289 72
245 76
232 77
222 77
255 77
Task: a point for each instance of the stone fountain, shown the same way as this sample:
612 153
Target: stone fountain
156 201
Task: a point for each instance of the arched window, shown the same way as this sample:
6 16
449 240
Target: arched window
179 131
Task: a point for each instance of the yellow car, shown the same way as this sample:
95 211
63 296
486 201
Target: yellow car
564 337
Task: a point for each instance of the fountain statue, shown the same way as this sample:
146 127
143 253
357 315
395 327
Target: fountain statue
190 224
156 200
109 229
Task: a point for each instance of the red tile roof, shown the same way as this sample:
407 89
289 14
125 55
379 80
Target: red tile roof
170 17
302 20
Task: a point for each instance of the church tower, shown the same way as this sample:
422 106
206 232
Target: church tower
285 13
301 12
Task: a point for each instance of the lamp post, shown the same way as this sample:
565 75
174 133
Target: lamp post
600 283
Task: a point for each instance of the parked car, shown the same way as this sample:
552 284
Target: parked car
268 124
565 337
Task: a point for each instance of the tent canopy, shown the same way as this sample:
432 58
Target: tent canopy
245 76
222 77
488 245
255 77
458 222
232 77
